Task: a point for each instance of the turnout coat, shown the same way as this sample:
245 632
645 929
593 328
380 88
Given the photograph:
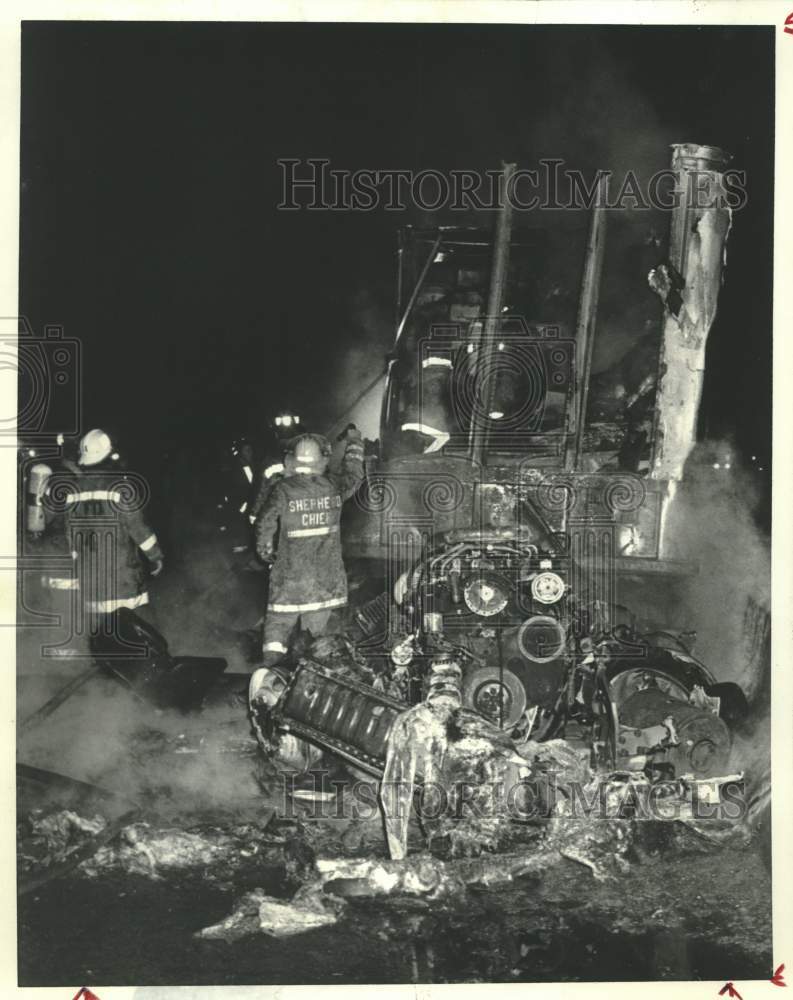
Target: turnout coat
298 527
109 538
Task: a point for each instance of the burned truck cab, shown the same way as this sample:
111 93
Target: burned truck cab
438 375
530 378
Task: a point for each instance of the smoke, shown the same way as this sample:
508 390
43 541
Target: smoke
600 119
371 337
169 763
711 521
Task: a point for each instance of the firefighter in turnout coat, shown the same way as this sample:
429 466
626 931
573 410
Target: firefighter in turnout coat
298 532
112 544
283 434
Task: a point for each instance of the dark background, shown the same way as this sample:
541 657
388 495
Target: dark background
149 226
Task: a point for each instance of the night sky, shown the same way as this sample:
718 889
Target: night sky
149 192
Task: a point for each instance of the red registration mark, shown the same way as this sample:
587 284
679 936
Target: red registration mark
729 989
789 24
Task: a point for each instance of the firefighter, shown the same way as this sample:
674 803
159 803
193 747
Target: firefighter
241 473
298 533
238 476
111 542
285 425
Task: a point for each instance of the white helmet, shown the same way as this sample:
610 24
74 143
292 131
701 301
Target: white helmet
95 446
311 454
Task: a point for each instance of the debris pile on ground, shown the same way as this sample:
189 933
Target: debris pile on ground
600 845
321 901
463 764
564 780
259 913
422 874
47 838
143 849
479 773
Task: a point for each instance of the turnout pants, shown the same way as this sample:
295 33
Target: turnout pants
278 626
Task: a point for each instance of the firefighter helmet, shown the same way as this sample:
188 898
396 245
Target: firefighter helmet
95 447
311 454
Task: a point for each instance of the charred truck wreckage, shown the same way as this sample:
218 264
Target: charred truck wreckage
516 672
509 523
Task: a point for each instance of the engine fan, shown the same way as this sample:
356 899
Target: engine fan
486 595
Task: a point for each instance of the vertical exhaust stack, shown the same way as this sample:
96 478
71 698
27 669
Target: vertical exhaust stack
586 320
480 422
689 288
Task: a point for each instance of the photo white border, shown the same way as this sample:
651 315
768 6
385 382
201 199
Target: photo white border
647 12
